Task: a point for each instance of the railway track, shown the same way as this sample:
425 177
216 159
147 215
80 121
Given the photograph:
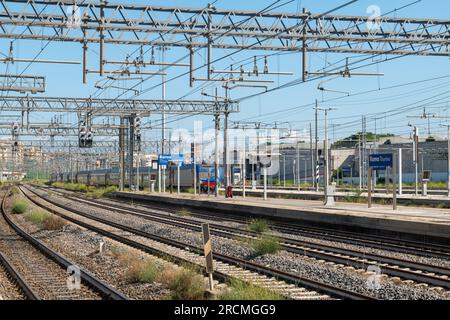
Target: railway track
227 267
40 272
10 273
394 267
374 241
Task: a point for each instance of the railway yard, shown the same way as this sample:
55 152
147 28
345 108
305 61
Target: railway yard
100 235
215 159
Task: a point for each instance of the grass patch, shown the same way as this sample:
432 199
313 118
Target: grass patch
239 290
184 212
189 190
14 191
99 193
185 283
45 220
36 217
355 197
19 206
138 270
141 270
71 186
266 244
258 225
53 222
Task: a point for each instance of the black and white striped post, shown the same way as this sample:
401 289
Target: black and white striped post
207 247
317 175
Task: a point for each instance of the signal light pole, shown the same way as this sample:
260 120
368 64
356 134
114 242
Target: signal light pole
326 156
416 157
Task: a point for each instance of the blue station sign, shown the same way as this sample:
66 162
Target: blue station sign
380 161
164 159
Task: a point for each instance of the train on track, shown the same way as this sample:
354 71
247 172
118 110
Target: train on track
109 177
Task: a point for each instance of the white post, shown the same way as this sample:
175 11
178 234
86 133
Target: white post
195 175
178 178
164 179
159 177
400 174
265 182
137 173
150 178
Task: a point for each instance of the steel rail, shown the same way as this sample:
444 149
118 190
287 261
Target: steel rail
18 279
288 277
103 288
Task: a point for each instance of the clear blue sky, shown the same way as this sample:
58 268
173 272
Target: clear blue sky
63 80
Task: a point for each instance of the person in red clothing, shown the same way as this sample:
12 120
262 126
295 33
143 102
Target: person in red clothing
229 192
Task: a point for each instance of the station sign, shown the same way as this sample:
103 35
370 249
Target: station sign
164 159
380 161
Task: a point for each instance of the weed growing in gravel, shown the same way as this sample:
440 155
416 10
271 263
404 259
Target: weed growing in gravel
239 290
265 244
45 220
14 191
258 225
141 270
137 268
36 216
184 212
354 197
186 284
53 222
71 186
99 193
19 206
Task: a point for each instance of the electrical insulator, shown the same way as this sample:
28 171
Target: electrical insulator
255 67
266 67
231 73
152 58
241 75
141 57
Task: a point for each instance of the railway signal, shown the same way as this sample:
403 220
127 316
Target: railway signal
137 132
82 133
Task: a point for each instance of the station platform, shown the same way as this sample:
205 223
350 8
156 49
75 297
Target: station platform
436 200
414 223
